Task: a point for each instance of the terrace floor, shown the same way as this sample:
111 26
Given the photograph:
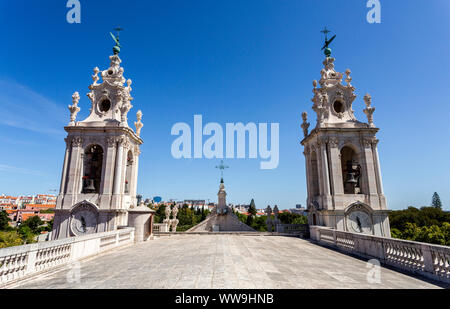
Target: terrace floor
223 261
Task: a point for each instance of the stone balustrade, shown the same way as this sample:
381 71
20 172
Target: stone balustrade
431 261
17 263
301 230
160 228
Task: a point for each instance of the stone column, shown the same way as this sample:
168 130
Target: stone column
369 166
74 177
378 168
108 172
134 174
326 200
62 186
336 168
308 175
118 168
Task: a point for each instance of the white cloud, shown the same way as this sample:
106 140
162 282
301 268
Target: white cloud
18 170
23 108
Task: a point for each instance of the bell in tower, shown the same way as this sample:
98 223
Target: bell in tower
99 176
345 189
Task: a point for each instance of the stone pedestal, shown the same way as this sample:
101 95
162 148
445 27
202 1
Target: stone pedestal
141 218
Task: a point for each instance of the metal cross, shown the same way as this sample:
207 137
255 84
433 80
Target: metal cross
222 167
325 31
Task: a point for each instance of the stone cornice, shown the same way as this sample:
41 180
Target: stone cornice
317 131
105 129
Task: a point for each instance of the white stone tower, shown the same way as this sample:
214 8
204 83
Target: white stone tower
345 190
222 197
99 177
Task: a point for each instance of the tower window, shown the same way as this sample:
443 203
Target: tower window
351 171
338 107
93 163
105 105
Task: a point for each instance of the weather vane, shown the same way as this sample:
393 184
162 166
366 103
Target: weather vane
327 42
116 48
222 167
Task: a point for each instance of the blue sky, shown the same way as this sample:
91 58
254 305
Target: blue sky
230 61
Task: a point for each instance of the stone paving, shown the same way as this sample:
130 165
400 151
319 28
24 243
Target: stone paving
224 261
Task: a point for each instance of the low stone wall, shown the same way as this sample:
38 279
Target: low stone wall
301 230
17 263
431 261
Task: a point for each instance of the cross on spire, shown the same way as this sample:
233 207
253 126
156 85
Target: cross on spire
325 31
222 167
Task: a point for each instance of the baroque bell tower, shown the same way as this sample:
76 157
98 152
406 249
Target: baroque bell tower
99 176
345 189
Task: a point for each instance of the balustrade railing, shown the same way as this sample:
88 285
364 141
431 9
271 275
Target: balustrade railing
432 261
19 262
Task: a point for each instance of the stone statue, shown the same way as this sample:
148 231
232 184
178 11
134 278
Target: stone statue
138 124
74 109
275 215
175 211
167 212
174 222
269 218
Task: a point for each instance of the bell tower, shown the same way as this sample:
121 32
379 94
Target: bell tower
99 176
345 189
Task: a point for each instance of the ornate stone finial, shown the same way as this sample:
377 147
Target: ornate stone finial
95 77
314 85
74 109
348 79
369 110
124 109
138 124
305 125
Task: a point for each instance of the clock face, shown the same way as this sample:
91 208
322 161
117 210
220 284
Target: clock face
84 221
359 222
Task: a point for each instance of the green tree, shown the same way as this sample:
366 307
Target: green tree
26 234
428 224
4 221
10 239
49 226
251 213
436 201
252 208
35 224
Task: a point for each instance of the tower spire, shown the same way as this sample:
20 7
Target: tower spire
116 48
325 48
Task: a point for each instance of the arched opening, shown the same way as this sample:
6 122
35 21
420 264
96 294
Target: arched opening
338 106
128 172
314 174
314 217
351 171
93 162
105 105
